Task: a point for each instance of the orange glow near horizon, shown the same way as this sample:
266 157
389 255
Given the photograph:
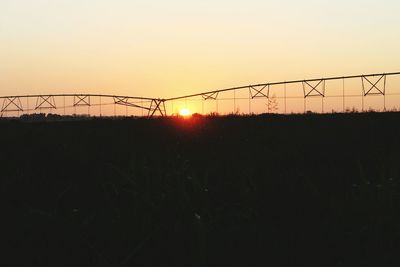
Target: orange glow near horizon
185 112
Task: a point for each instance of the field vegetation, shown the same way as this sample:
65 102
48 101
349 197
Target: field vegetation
268 190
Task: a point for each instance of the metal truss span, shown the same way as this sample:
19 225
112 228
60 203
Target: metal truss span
367 85
102 104
30 104
308 88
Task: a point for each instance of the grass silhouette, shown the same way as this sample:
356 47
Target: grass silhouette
263 190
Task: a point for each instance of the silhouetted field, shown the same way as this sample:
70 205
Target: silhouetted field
299 190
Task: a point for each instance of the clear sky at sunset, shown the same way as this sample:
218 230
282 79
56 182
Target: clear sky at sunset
167 48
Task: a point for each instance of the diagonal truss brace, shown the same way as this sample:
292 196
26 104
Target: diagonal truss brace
258 93
157 105
374 89
314 90
12 104
45 102
80 100
210 96
124 101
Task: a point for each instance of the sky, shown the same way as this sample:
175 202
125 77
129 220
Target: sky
169 48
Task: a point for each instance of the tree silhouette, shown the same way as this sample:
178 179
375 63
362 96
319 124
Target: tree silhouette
272 104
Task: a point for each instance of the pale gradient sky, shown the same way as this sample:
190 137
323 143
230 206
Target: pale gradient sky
167 48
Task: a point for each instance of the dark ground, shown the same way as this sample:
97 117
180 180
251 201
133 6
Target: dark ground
313 190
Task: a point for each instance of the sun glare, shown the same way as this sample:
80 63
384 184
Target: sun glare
185 112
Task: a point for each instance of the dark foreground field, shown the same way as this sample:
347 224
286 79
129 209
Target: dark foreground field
234 191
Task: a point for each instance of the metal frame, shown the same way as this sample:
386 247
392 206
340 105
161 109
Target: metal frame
156 107
313 90
81 100
281 83
45 101
374 89
125 101
210 96
259 92
12 101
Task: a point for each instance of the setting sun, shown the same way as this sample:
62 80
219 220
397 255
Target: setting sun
185 112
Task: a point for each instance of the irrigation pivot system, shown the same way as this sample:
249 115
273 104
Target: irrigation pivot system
348 92
40 103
